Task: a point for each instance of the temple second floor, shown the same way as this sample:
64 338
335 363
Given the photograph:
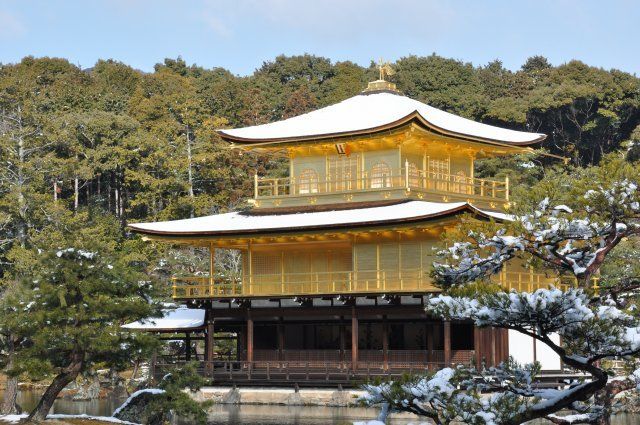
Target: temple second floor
383 249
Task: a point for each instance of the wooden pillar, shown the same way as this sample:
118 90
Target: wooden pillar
385 342
241 340
354 339
430 336
280 330
187 343
447 342
343 341
212 269
208 345
477 346
249 336
494 342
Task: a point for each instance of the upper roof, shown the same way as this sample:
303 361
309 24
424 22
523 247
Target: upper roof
371 112
238 223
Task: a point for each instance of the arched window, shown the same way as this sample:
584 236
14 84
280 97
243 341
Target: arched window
308 181
380 176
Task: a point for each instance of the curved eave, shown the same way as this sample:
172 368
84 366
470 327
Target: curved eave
415 116
466 208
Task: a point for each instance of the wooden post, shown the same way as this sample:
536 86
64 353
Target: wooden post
429 332
209 346
343 341
477 346
280 329
354 339
187 343
406 175
385 342
506 187
255 185
249 336
494 361
447 342
212 268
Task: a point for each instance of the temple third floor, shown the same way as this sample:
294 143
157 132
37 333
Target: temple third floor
408 164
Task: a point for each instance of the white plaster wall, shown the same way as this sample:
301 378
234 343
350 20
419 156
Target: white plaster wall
547 358
521 349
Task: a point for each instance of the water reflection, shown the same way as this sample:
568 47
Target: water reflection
102 407
258 414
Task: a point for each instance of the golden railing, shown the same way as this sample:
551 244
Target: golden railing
529 282
343 283
408 179
314 283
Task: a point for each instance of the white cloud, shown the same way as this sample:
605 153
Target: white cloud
10 26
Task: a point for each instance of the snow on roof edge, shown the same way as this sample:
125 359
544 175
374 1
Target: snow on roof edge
365 114
236 223
179 318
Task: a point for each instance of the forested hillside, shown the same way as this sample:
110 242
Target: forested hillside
114 141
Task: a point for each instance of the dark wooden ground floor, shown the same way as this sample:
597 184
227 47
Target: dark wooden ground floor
316 346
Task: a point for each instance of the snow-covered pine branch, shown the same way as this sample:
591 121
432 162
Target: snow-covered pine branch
584 224
574 239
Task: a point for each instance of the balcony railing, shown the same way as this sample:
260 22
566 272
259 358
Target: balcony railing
343 283
408 179
294 284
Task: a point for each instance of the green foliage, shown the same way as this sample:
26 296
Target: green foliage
175 400
82 285
84 152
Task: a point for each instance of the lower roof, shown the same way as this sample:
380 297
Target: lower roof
243 223
181 318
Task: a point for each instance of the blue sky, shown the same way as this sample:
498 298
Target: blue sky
239 35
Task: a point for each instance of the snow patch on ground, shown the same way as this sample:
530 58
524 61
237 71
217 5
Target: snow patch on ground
18 418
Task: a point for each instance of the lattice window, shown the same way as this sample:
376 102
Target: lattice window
439 171
342 172
380 175
308 181
414 175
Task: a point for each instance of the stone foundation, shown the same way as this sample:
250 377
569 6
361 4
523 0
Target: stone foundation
280 396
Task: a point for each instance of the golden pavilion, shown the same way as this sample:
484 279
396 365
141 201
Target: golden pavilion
336 255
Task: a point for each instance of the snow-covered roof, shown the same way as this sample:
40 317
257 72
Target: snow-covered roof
179 318
366 113
238 223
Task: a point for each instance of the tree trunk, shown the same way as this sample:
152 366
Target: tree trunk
64 378
134 374
76 194
606 396
190 168
9 405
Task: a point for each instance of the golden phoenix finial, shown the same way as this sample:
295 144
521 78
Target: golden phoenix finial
385 69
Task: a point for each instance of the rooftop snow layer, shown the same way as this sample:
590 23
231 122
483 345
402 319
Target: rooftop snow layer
371 112
239 223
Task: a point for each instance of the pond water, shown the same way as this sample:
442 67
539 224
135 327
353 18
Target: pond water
102 407
256 414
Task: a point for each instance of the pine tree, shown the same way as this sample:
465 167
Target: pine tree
81 289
